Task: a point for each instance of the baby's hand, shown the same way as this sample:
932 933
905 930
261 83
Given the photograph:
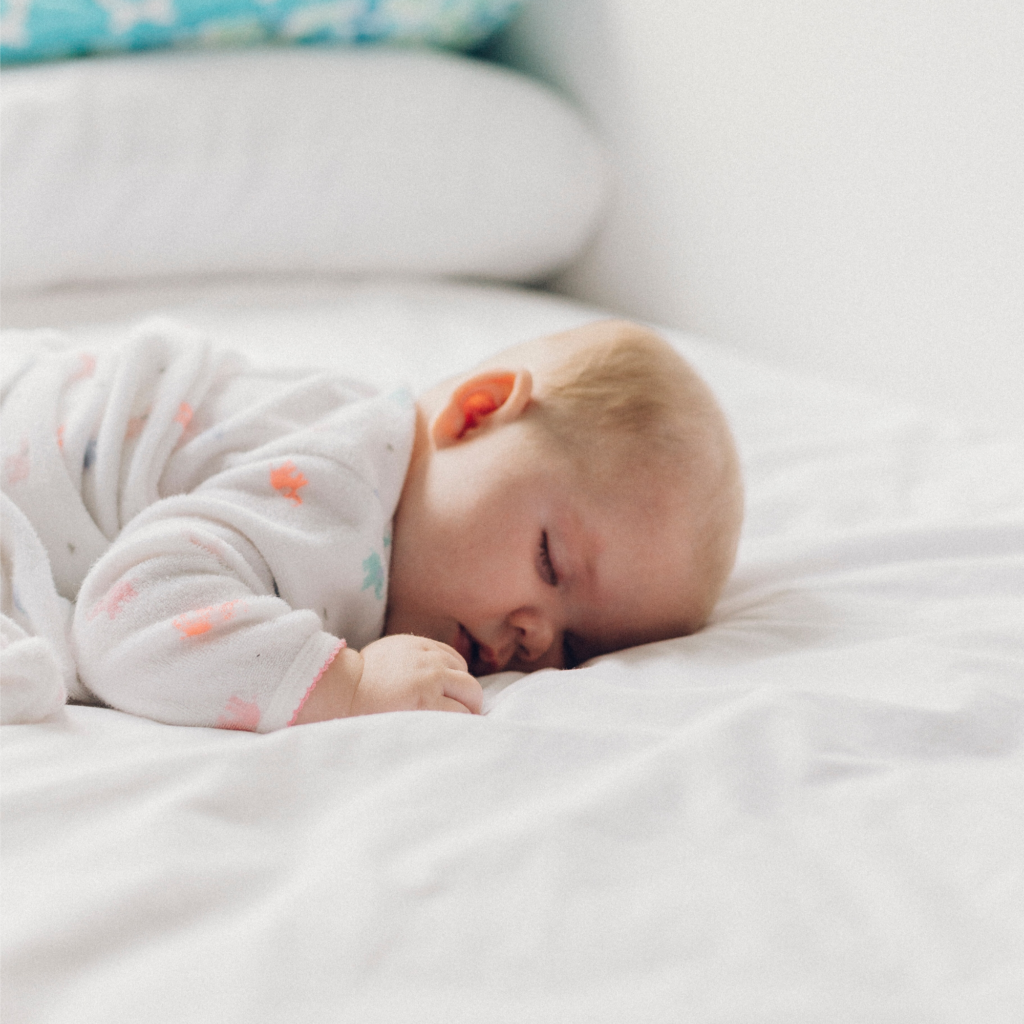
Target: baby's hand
395 673
412 673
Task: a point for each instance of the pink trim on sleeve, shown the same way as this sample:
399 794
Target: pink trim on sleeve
312 686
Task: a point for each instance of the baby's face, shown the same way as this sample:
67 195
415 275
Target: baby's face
499 552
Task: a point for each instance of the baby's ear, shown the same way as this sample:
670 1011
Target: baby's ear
493 397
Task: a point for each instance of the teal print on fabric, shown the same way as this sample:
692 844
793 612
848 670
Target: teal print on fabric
374 570
403 398
387 539
47 29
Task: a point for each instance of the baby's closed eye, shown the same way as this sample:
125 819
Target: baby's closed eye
545 567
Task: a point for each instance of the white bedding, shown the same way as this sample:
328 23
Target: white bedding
811 811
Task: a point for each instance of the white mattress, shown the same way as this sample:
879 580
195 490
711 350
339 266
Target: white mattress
811 811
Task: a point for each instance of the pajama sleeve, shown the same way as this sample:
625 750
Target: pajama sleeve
223 606
180 622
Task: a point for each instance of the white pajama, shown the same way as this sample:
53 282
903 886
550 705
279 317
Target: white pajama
220 530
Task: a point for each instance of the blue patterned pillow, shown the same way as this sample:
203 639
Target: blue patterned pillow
45 29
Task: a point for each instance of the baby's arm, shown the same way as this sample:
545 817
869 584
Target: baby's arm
395 673
179 621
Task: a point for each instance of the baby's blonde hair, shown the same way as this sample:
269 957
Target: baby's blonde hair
630 392
626 403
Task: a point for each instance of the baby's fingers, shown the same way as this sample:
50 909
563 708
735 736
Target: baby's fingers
447 704
452 656
462 687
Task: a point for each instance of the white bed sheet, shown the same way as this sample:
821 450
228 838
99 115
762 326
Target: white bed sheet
811 811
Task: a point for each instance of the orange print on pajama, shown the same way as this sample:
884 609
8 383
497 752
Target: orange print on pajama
184 414
114 600
243 715
18 467
202 620
287 480
134 426
194 623
86 368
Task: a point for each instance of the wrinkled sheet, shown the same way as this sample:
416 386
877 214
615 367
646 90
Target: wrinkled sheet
811 811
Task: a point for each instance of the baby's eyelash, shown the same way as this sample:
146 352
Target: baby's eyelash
544 564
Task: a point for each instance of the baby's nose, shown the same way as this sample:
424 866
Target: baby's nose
537 643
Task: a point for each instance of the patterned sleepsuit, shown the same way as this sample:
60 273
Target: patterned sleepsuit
211 529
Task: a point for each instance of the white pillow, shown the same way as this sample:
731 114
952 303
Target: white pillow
290 161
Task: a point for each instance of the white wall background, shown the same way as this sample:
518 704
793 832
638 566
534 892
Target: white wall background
837 185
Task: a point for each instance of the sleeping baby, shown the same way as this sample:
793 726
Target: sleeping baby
195 540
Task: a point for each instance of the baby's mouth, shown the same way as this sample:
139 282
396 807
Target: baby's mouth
479 659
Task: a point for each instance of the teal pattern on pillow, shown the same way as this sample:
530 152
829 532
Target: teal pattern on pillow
46 29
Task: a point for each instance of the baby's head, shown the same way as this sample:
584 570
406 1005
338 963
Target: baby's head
574 495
